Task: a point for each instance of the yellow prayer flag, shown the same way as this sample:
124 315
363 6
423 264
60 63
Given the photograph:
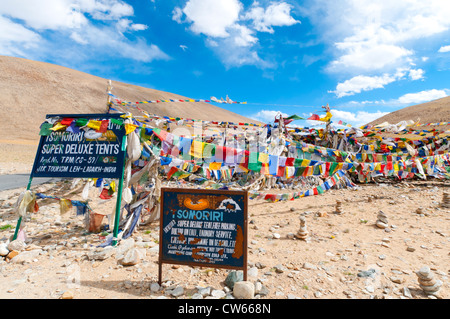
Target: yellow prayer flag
305 162
58 127
129 128
65 205
263 157
214 166
197 149
93 124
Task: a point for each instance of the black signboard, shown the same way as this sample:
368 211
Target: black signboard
203 228
86 146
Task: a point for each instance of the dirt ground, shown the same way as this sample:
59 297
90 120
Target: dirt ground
331 264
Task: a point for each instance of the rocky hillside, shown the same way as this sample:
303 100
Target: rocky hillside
430 112
29 90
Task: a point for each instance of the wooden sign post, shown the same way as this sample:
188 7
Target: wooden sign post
205 228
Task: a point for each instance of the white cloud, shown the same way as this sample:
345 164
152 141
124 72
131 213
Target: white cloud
230 31
379 35
356 119
406 99
15 38
72 22
243 36
275 15
125 25
77 38
46 14
421 97
177 13
416 74
369 56
267 116
362 83
444 49
211 17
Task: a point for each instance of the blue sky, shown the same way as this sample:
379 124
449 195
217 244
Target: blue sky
364 58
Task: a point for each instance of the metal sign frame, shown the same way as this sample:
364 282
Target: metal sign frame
121 160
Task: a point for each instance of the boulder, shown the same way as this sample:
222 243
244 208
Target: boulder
244 290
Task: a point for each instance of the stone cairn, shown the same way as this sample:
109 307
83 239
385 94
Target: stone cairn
427 281
382 221
338 209
302 232
446 200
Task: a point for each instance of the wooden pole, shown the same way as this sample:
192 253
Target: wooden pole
108 90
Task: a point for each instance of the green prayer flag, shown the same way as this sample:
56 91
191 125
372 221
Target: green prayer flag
82 122
46 129
294 117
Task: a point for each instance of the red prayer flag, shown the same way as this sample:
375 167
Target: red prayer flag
103 126
314 117
105 194
66 121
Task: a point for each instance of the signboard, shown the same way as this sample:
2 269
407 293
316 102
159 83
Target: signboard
203 228
95 152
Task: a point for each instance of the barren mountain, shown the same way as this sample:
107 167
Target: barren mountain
430 112
29 90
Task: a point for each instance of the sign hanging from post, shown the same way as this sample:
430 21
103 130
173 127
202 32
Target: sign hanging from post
84 146
203 228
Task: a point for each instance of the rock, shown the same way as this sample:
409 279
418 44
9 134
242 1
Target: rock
233 277
154 287
396 280
218 294
4 250
367 273
279 268
427 281
252 272
244 290
302 233
338 209
67 295
446 200
382 221
205 291
130 258
178 291
27 256
260 265
17 244
407 292
260 289
309 266
12 254
101 254
124 246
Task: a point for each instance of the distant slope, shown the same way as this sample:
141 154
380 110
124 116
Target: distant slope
29 90
430 112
